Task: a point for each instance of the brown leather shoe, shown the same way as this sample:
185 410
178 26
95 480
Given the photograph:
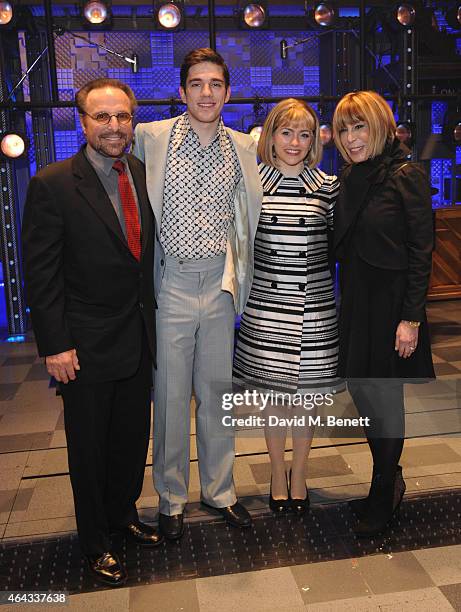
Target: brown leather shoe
107 569
143 534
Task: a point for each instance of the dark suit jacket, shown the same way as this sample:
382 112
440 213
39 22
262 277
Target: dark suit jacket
84 288
389 214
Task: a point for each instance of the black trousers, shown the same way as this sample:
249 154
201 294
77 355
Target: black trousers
107 429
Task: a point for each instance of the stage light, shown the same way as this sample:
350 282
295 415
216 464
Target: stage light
453 17
6 13
13 145
325 133
324 15
255 131
170 15
405 15
97 13
254 16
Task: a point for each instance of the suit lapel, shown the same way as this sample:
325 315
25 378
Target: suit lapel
93 192
348 206
139 181
155 173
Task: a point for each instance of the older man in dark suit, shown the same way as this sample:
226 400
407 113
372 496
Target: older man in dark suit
88 254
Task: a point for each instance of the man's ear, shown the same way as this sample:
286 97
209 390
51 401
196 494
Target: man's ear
182 94
228 94
82 122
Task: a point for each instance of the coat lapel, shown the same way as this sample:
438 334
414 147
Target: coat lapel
92 190
348 205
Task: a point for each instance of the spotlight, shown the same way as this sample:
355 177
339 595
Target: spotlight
325 133
255 131
13 145
254 16
453 17
97 13
323 15
6 13
405 14
457 134
170 15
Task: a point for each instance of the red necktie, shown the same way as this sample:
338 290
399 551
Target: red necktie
130 210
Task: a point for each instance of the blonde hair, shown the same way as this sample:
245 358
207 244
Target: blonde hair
286 112
365 106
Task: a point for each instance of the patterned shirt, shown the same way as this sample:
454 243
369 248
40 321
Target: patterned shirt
198 200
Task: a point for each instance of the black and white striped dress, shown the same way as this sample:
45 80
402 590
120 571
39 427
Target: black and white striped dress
288 336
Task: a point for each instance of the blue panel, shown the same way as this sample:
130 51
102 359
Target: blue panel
438 113
66 144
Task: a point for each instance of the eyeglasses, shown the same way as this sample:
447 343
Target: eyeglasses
104 118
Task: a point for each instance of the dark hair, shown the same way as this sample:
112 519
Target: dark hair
197 56
82 93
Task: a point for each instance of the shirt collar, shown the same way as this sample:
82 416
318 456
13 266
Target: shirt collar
184 129
101 162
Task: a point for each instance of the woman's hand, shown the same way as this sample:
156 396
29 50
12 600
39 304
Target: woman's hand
406 339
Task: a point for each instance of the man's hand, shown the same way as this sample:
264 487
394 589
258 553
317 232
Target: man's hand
406 339
63 365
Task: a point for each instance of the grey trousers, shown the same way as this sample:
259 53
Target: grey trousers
195 336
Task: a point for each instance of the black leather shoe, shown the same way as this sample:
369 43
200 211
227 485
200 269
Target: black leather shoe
299 506
107 569
143 534
235 515
279 506
382 506
172 527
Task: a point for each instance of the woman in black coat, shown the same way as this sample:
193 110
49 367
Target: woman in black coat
383 241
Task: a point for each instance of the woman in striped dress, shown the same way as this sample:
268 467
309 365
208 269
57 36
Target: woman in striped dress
288 338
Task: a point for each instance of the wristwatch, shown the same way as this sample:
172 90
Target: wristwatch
413 323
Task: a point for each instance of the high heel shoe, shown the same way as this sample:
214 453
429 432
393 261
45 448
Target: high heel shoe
299 506
382 505
279 505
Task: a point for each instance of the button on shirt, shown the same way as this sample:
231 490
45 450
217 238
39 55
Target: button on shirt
109 179
198 201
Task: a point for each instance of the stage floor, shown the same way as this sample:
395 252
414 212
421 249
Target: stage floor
314 563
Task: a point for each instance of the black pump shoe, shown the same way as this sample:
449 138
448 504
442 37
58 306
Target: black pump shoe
279 506
382 506
299 506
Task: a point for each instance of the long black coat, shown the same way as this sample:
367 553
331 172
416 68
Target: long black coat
383 239
84 288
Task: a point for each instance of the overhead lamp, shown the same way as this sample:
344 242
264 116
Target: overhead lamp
325 134
97 13
254 15
13 145
255 131
6 13
170 15
405 14
323 15
453 17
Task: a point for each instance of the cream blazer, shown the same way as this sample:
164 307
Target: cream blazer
151 142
